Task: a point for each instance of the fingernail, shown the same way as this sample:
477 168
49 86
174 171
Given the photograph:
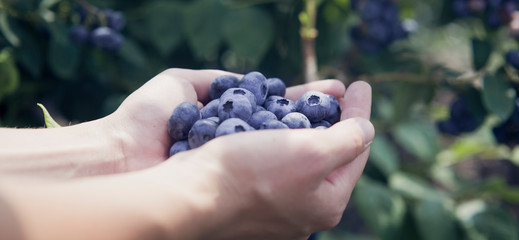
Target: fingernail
368 131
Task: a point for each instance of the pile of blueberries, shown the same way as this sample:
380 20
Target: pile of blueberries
496 13
251 103
101 29
380 25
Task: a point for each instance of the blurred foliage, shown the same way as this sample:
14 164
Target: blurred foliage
419 183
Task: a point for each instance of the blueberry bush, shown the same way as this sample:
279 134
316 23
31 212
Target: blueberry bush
445 161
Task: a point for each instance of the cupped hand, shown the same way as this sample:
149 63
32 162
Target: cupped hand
140 123
283 184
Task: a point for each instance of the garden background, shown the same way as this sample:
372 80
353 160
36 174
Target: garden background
444 164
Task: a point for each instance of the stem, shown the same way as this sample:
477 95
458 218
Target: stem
87 6
308 35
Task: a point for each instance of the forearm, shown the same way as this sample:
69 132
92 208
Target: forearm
170 205
79 150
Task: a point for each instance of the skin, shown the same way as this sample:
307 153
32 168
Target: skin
270 184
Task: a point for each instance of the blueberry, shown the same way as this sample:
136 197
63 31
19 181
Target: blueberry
493 19
179 146
235 106
241 91
282 107
512 58
321 123
232 125
276 86
296 120
334 112
257 84
390 12
270 100
202 131
460 8
313 236
214 119
107 38
493 3
273 124
182 119
260 108
79 34
501 133
448 127
259 117
378 31
210 109
372 9
314 105
220 84
115 19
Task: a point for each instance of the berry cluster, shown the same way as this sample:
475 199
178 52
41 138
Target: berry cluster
507 132
495 12
380 25
252 103
461 119
101 29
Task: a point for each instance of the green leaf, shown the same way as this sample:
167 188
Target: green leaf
382 210
29 52
6 30
406 96
49 121
9 75
483 221
499 95
132 53
203 27
412 186
481 51
384 155
63 55
435 220
418 138
164 25
249 32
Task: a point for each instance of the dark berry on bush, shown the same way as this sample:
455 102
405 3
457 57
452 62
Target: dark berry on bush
460 8
79 34
512 58
231 126
259 117
372 10
282 107
220 84
115 19
202 131
178 146
235 106
182 119
257 84
107 38
448 127
276 86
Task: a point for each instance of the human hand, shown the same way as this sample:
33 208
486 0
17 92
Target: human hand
277 184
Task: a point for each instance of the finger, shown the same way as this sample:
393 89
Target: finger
355 133
333 87
357 101
356 104
200 79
